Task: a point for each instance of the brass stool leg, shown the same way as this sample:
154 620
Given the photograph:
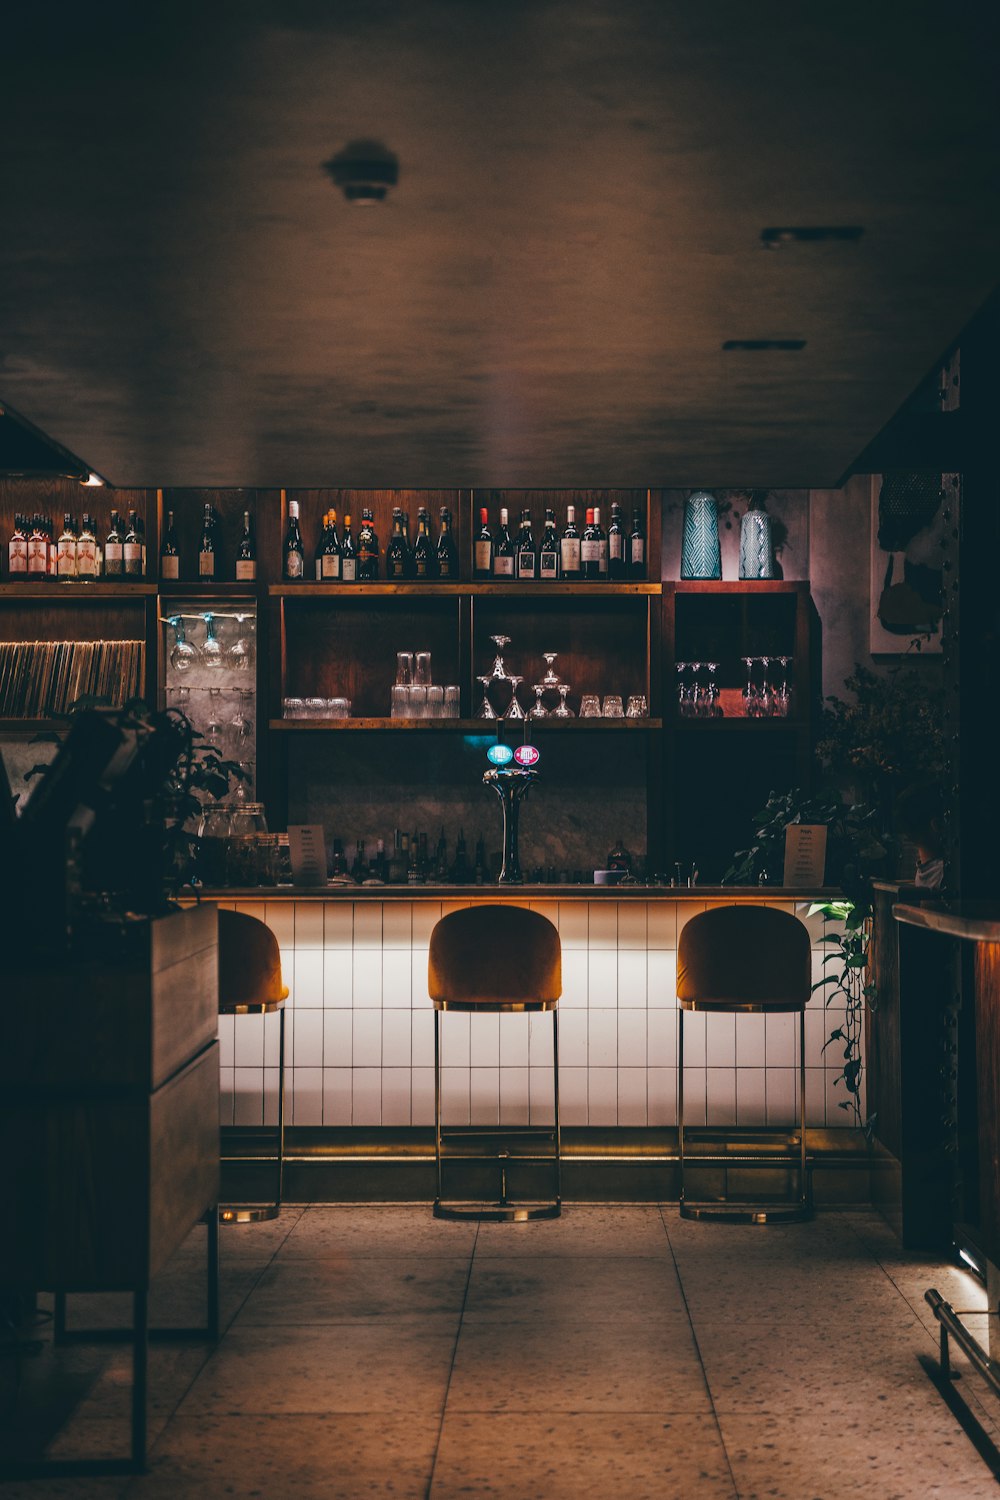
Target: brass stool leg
437 1105
555 1100
281 1108
680 1100
803 1190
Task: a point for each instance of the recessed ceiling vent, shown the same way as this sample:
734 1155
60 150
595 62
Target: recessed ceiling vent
757 346
364 171
773 239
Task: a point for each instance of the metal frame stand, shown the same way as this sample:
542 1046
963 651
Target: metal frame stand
255 1213
502 1211
140 1336
794 1211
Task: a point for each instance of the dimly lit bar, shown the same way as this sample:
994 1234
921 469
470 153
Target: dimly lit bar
499 508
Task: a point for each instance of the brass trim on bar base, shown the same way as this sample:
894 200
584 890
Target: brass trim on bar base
249 1214
734 1213
499 1214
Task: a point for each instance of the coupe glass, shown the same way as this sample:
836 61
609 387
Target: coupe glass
538 709
550 678
211 652
563 711
590 706
500 641
242 654
485 709
183 655
514 709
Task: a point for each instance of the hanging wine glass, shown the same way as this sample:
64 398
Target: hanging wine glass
500 641
485 709
514 709
242 654
211 651
213 732
240 725
183 655
551 676
538 709
563 711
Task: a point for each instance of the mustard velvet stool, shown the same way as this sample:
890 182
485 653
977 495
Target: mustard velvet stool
250 984
745 959
489 960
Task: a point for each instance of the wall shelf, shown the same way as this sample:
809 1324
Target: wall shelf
533 591
78 593
464 726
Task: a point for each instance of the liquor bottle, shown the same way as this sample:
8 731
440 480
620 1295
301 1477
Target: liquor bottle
329 561
337 866
133 548
66 550
207 560
460 868
86 550
410 568
348 556
367 549
548 552
479 873
140 531
602 544
379 866
616 545
295 558
441 859
484 547
447 552
50 547
37 551
17 549
413 869
399 861
424 555
637 548
359 869
569 547
114 561
526 558
246 553
590 549
170 552
503 549
423 860
397 553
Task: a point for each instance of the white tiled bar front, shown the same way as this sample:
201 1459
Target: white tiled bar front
359 1043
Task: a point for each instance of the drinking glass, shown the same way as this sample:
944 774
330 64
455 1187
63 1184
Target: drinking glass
212 736
399 701
551 676
563 711
183 655
241 725
499 641
590 706
766 695
486 709
422 669
242 654
538 709
435 702
212 654
514 709
696 695
714 706
338 708
315 708
213 838
637 706
292 708
784 696
452 704
683 702
404 668
748 692
180 699
418 702
613 706
246 825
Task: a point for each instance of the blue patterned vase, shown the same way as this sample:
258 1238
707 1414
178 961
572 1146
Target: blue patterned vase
701 555
756 553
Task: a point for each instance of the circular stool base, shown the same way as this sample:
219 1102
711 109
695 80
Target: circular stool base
500 1214
253 1214
748 1213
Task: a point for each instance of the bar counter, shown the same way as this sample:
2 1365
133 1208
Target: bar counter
360 1043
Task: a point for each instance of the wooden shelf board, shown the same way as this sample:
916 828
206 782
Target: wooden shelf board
464 726
736 586
735 721
77 593
471 590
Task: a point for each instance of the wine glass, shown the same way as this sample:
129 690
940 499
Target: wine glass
213 733
242 654
211 651
748 693
538 709
714 706
551 676
240 725
766 695
499 641
183 655
563 711
784 697
486 709
514 709
697 696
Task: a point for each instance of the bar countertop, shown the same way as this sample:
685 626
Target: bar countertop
977 921
513 893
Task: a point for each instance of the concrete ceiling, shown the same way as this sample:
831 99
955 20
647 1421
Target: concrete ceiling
186 299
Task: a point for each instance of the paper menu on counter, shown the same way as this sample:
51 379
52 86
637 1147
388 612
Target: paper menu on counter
805 855
307 852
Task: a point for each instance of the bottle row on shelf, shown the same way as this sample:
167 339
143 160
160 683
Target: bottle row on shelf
36 554
593 556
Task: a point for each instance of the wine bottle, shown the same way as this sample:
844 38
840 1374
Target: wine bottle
359 869
569 547
329 567
396 552
526 558
399 860
590 549
441 859
503 549
424 555
447 552
460 868
37 551
637 548
348 556
484 547
207 559
86 549
114 562
479 873
17 549
246 553
132 548
295 557
66 551
410 569
367 549
616 545
602 544
548 552
170 552
380 867
338 864
50 547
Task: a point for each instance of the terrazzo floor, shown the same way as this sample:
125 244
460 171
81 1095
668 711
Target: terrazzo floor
617 1352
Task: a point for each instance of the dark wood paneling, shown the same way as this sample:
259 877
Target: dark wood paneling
183 1155
988 1088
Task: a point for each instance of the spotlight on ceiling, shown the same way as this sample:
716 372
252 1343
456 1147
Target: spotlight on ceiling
756 346
93 480
364 171
773 239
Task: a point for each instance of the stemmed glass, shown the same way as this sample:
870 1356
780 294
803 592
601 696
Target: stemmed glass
213 724
697 693
783 695
538 709
766 694
748 692
211 652
183 655
486 709
499 641
714 706
242 654
563 711
240 725
551 677
514 709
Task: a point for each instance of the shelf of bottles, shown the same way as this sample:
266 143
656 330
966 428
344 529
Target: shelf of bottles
209 674
80 554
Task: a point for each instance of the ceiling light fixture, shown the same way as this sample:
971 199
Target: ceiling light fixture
364 171
93 480
773 239
755 346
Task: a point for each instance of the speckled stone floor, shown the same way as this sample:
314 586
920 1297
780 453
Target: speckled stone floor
617 1352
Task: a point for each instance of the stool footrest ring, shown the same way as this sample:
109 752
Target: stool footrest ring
500 1214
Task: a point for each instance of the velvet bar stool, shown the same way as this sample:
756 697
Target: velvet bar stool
745 959
489 960
250 984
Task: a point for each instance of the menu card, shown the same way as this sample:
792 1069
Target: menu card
307 851
805 855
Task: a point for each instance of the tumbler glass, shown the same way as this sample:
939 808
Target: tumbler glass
292 708
315 708
452 707
435 702
613 706
590 706
418 702
399 701
637 706
422 669
404 668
